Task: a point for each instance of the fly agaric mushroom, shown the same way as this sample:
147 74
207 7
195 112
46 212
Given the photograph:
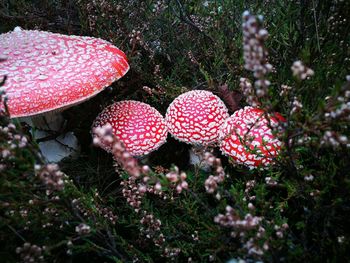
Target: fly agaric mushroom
247 137
139 126
195 117
48 72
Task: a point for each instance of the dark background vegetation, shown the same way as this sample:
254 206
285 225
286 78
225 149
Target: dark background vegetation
173 47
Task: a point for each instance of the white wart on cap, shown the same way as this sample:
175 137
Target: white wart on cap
246 137
195 117
139 126
47 71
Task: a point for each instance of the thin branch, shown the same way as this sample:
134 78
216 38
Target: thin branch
316 26
16 233
187 20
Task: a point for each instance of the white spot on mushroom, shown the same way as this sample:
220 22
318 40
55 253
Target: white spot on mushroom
42 77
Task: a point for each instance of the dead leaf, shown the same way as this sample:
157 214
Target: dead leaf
232 98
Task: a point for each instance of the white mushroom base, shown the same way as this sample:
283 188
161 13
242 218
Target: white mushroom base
53 151
196 154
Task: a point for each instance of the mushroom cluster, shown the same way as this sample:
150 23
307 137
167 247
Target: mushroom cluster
194 117
49 72
200 118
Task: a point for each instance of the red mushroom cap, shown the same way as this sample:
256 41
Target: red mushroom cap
246 137
196 116
48 71
139 126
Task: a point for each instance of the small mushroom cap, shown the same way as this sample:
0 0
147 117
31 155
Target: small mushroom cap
48 71
195 117
246 137
139 126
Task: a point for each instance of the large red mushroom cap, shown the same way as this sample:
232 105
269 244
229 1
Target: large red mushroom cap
139 126
247 137
48 71
196 116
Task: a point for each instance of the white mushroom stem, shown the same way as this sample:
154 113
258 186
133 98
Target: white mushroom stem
196 153
50 121
52 150
61 147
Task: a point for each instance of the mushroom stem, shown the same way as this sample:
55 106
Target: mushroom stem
196 153
47 129
50 121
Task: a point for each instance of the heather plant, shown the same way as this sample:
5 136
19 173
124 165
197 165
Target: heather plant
290 57
44 216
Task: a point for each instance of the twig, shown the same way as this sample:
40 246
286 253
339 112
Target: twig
186 19
16 233
316 27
